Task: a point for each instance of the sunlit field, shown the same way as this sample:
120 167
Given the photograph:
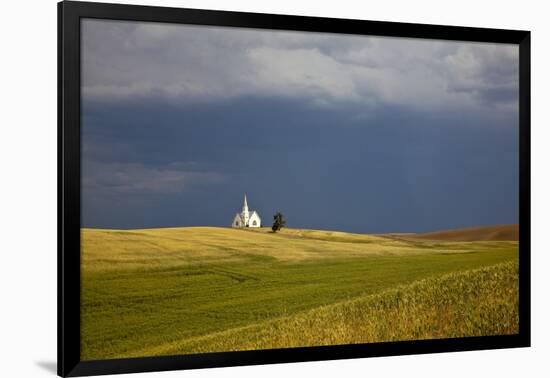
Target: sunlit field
205 289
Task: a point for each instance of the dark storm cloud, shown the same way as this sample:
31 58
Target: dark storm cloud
337 132
321 167
135 178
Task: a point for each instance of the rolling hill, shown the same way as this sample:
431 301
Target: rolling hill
205 289
508 232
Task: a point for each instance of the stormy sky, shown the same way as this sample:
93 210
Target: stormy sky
353 133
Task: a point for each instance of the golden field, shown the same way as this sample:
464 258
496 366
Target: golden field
206 289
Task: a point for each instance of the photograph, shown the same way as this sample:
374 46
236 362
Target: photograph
246 189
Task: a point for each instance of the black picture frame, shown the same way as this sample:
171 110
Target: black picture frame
69 16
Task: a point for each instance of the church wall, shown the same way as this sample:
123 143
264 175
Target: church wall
237 221
255 218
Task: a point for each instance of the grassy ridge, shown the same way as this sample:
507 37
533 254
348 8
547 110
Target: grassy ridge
145 290
128 250
509 232
473 303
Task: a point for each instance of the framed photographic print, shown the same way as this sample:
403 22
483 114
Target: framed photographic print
239 188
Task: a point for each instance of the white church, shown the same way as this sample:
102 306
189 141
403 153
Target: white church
246 218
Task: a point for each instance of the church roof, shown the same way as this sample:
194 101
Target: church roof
250 213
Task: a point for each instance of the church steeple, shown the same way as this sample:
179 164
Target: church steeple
245 205
245 214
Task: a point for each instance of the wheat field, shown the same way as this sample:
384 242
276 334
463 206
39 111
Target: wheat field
206 289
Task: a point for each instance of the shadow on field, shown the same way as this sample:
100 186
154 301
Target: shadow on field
50 366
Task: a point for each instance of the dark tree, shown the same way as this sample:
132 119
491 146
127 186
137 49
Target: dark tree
278 222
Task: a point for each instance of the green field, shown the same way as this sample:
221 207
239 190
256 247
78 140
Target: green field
204 289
